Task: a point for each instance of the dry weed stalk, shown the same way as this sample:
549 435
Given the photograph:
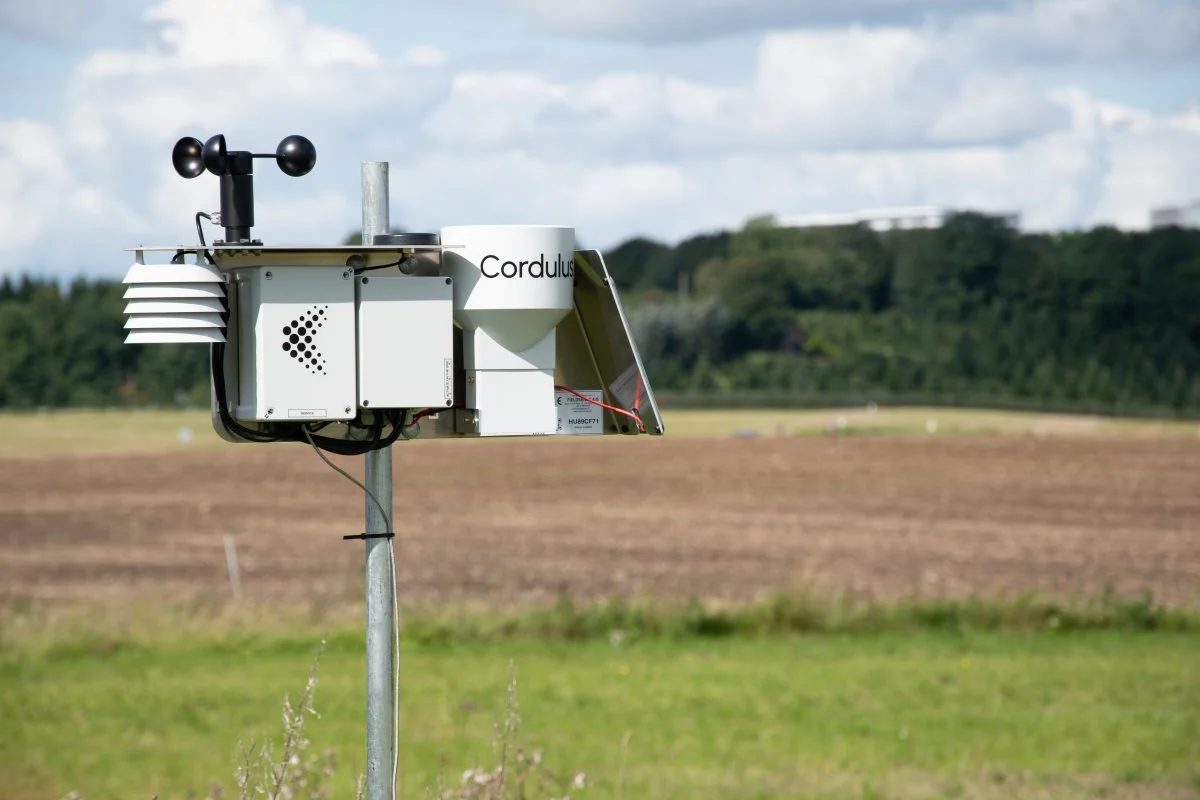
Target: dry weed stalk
297 774
516 773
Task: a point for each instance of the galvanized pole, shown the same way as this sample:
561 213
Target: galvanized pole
381 598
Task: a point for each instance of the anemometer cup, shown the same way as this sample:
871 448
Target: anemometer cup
187 157
296 156
216 155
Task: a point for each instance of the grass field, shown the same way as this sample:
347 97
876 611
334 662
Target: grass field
915 716
125 672
56 433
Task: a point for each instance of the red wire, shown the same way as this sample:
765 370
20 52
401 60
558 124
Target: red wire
614 409
631 414
421 415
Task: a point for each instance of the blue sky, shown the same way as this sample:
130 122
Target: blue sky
662 118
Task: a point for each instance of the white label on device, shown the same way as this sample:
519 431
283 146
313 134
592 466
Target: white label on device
625 387
578 417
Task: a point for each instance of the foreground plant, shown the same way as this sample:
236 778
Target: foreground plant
298 773
516 773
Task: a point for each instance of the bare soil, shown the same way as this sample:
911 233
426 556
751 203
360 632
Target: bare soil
504 522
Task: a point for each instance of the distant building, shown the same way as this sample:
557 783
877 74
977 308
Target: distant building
889 219
1184 216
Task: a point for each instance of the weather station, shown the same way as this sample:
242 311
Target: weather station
473 331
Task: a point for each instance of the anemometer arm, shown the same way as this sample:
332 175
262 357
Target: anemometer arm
295 156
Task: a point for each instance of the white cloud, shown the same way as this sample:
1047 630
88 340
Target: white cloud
1159 161
1085 31
33 174
1087 173
265 34
103 172
890 87
47 205
47 20
1050 31
851 89
688 20
825 120
830 120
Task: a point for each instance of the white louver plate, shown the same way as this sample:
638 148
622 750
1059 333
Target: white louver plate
174 321
178 336
173 291
173 273
202 305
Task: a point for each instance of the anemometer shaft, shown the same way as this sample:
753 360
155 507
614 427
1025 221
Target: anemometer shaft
237 198
381 596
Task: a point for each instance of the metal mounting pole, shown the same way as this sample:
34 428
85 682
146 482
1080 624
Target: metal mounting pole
381 598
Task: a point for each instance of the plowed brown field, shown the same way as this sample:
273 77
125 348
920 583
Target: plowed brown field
510 521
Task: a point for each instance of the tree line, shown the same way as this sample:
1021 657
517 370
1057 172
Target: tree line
973 312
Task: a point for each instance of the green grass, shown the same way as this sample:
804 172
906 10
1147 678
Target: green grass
717 718
57 433
910 421
156 431
55 631
688 703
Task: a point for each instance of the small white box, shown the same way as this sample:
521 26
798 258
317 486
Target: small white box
517 402
405 342
296 356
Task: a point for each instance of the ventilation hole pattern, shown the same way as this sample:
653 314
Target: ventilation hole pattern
299 339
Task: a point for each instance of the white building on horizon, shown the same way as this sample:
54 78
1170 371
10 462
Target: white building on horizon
890 219
1185 216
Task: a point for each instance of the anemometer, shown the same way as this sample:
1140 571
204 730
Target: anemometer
473 331
295 156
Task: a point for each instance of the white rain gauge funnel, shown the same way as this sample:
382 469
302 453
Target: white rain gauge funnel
174 303
513 284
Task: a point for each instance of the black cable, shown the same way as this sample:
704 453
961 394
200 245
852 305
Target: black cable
200 233
342 447
361 270
349 447
199 230
232 425
217 356
346 447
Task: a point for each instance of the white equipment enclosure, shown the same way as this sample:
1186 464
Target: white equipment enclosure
479 330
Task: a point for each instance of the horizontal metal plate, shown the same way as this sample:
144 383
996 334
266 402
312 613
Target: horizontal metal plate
174 291
161 307
174 321
160 336
173 273
290 248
